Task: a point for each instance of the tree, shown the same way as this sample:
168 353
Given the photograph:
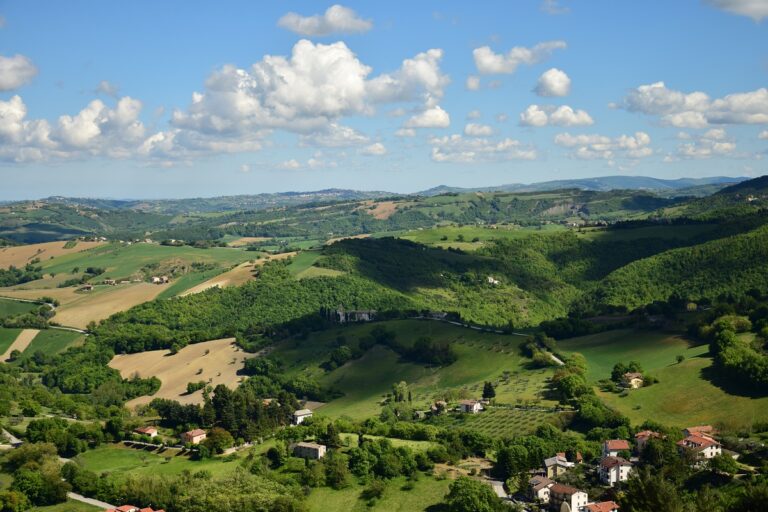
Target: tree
647 490
723 464
680 359
218 440
331 438
336 470
488 391
468 495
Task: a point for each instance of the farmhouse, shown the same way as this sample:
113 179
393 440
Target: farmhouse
538 489
703 446
309 450
86 288
470 406
642 438
363 315
159 280
602 506
146 431
706 430
612 447
614 470
300 415
632 380
557 465
110 282
193 436
492 280
559 494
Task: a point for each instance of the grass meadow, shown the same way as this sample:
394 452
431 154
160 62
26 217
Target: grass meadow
12 307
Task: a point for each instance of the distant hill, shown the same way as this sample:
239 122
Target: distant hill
756 185
604 183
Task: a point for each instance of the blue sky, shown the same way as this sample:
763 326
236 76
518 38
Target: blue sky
181 98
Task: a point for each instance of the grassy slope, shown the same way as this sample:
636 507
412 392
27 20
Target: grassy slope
654 350
427 491
7 336
68 506
433 236
122 261
51 341
12 307
482 356
188 281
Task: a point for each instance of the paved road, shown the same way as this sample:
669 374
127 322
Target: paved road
89 501
498 488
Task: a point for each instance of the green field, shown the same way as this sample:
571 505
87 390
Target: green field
13 307
7 336
303 261
435 235
427 491
122 261
51 341
481 357
684 232
420 446
654 350
187 281
118 458
684 396
69 506
501 422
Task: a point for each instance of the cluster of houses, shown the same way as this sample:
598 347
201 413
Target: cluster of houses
615 467
159 279
342 316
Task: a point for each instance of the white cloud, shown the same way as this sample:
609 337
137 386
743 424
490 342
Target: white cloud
375 149
590 147
455 148
710 144
334 136
108 88
245 168
434 117
502 118
337 19
15 71
543 115
474 114
697 109
472 83
290 164
418 78
755 9
553 82
553 7
763 135
489 62
478 130
406 132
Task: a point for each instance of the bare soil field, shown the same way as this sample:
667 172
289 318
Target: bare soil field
77 309
241 274
247 240
21 343
334 240
381 210
216 362
23 254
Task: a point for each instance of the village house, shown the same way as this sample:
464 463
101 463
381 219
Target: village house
342 316
193 436
493 281
632 380
707 430
557 465
575 498
612 447
300 415
131 508
438 407
602 506
642 438
470 406
614 470
86 288
110 282
146 431
703 446
313 451
578 458
538 488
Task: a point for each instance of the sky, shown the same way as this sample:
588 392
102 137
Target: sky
182 98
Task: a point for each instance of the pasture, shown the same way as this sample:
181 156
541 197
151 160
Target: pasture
67 506
365 381
19 256
472 237
502 422
654 350
215 362
14 307
51 342
7 337
21 343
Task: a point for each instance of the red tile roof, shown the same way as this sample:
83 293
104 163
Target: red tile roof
698 442
603 506
563 489
617 444
646 434
609 462
195 433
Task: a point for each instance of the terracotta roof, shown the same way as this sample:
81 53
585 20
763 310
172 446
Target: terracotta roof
609 462
540 482
564 489
698 442
633 375
194 433
645 434
701 429
145 430
603 506
617 444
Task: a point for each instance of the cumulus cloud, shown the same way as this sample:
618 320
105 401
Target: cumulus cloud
543 115
406 132
488 62
108 88
474 114
710 144
697 109
554 7
478 130
434 117
334 136
755 9
763 135
591 147
553 82
419 78
15 71
375 149
337 19
290 164
472 83
455 148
